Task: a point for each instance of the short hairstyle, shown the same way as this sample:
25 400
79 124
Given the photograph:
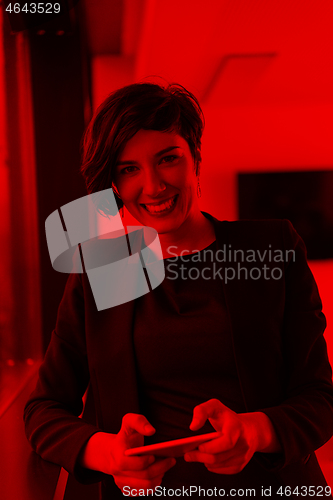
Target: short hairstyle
138 106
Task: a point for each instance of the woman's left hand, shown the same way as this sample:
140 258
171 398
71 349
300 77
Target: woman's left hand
242 435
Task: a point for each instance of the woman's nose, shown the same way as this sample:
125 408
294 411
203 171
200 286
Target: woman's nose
153 184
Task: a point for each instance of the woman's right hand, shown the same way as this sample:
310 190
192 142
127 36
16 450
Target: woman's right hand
106 453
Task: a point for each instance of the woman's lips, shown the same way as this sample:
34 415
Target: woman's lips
161 208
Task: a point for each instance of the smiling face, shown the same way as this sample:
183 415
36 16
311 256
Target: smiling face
155 177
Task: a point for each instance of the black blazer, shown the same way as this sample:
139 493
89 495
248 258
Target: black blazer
280 352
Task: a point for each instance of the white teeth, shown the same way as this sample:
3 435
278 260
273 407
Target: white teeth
160 208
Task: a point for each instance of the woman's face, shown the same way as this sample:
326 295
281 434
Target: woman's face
156 180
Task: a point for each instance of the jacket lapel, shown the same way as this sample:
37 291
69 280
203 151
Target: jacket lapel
114 377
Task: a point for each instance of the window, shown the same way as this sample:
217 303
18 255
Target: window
20 323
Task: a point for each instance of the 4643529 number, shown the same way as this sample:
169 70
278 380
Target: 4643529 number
33 8
303 491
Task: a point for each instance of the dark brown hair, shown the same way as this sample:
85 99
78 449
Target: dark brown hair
139 106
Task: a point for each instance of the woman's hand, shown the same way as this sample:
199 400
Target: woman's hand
106 453
242 435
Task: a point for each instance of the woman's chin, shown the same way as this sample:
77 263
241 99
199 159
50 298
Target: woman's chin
161 224
165 225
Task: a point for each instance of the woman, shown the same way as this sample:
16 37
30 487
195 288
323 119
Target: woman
239 348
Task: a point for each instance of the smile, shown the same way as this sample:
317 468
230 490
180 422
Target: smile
161 208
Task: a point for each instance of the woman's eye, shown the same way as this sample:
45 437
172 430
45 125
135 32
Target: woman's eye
128 170
169 159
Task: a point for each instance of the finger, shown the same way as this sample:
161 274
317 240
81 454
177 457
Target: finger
213 458
224 456
197 456
228 440
136 463
223 463
133 422
210 409
159 468
228 470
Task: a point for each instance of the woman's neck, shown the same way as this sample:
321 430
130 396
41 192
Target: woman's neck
196 233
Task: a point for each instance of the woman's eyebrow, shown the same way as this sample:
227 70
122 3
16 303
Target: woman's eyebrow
160 153
166 150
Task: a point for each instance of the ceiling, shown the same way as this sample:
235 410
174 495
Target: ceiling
228 52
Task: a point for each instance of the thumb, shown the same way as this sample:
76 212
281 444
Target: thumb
133 422
199 417
211 410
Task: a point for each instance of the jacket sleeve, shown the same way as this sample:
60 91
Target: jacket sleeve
304 420
51 415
